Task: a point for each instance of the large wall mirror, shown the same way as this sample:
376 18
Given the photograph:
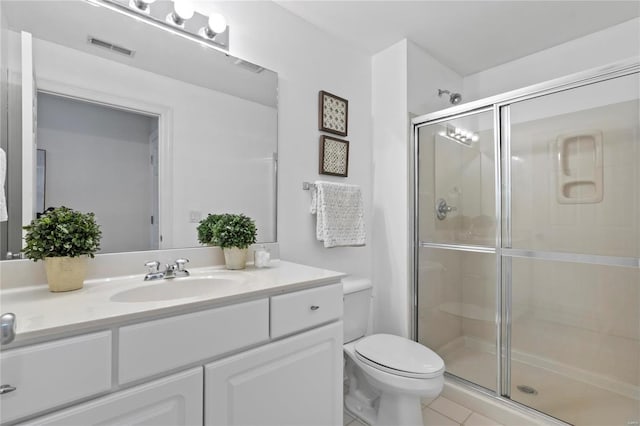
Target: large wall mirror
150 131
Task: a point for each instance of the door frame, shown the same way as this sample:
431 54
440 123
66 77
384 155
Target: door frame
164 114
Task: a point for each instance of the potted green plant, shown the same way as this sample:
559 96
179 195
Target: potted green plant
64 239
234 233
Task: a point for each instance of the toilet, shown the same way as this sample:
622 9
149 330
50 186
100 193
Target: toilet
386 376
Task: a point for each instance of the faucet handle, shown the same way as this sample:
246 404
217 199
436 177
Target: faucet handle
180 264
7 330
153 266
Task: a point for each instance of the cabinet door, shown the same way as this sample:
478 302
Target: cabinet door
171 401
51 374
295 381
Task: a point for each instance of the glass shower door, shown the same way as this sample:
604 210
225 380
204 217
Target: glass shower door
571 245
457 290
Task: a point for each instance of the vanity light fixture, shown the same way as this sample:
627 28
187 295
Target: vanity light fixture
177 17
141 5
182 11
217 24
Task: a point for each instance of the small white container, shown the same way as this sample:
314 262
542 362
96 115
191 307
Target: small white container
261 257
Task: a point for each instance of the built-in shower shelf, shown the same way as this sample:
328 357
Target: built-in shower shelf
579 173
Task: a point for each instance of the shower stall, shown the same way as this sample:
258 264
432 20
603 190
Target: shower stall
527 245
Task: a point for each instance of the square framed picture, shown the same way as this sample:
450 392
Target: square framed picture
333 113
334 156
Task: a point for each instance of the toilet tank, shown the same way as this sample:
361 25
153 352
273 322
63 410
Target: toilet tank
357 302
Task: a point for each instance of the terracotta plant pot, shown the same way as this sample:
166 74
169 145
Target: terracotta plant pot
65 273
235 258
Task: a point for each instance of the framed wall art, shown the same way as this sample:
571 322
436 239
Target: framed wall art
333 113
334 156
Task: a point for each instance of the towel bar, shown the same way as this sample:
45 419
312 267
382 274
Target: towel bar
308 185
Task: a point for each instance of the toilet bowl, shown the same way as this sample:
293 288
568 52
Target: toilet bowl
387 376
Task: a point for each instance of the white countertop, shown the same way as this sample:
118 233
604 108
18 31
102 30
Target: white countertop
102 303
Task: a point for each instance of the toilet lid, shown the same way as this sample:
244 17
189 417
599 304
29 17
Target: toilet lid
400 356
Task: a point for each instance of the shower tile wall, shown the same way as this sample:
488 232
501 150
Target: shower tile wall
580 317
539 221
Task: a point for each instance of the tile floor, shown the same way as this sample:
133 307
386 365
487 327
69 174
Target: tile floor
442 412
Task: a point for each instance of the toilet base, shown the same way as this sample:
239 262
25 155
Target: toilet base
399 410
388 410
363 412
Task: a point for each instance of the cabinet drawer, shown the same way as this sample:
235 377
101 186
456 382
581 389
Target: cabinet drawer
304 309
157 346
54 373
173 400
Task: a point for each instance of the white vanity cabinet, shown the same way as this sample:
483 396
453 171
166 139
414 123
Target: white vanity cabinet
294 381
275 359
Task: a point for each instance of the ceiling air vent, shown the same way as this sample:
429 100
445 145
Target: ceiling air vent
113 47
248 66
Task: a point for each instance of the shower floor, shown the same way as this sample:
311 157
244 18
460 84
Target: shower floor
560 396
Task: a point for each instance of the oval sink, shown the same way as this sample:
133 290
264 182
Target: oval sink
176 288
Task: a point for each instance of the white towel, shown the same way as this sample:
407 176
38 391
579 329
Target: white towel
339 214
3 173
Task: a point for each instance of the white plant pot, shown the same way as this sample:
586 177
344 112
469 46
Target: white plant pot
65 273
235 258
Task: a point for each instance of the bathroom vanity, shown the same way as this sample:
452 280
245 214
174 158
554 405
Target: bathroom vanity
218 348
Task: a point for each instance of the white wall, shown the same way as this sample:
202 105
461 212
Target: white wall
425 76
98 161
219 163
392 249
600 48
307 60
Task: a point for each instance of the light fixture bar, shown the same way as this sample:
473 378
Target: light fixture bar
459 135
156 17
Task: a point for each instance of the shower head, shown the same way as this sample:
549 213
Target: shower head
454 98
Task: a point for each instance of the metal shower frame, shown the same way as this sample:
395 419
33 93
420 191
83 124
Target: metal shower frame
500 106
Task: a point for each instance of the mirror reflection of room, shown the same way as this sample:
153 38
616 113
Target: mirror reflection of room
116 153
103 98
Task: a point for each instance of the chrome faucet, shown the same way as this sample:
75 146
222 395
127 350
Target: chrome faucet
171 271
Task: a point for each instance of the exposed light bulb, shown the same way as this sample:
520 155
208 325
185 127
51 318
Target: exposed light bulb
217 23
475 137
182 10
142 5
458 131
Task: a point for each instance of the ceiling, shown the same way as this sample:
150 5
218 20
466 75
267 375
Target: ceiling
467 36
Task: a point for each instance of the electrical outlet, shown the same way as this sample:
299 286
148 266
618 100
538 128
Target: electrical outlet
195 216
